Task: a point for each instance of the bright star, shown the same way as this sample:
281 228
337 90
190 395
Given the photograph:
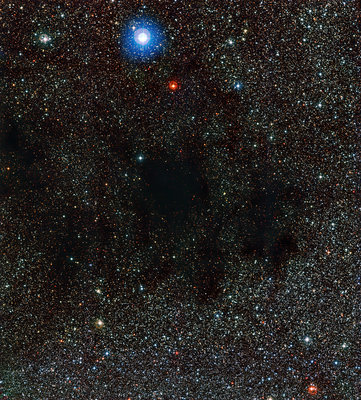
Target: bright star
142 39
173 85
142 36
99 324
44 38
238 85
312 389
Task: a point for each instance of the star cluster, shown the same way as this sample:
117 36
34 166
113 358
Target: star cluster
179 190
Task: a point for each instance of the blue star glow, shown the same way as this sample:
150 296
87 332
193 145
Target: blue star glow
142 36
142 40
238 86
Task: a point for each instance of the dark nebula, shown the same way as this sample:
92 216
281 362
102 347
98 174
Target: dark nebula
189 240
172 189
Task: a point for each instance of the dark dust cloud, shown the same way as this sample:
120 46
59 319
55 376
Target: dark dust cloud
179 200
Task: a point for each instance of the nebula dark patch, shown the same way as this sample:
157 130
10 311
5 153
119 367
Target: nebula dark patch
266 230
10 137
209 271
178 200
18 172
282 248
158 270
171 189
4 189
174 192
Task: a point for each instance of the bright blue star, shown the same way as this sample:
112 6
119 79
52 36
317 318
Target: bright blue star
142 39
238 85
142 36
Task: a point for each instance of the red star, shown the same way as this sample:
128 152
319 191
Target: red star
312 390
173 86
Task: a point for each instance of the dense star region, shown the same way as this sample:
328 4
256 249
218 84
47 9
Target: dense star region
180 200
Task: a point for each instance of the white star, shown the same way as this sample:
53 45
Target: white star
142 36
44 38
99 323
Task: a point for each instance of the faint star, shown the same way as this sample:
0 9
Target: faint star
44 38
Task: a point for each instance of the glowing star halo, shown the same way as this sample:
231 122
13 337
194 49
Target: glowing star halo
44 38
142 36
173 85
312 390
99 324
142 39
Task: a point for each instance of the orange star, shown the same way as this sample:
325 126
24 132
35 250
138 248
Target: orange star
312 390
173 86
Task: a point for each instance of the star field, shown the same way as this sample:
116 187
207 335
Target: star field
180 200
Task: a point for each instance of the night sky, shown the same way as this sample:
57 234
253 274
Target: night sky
180 200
